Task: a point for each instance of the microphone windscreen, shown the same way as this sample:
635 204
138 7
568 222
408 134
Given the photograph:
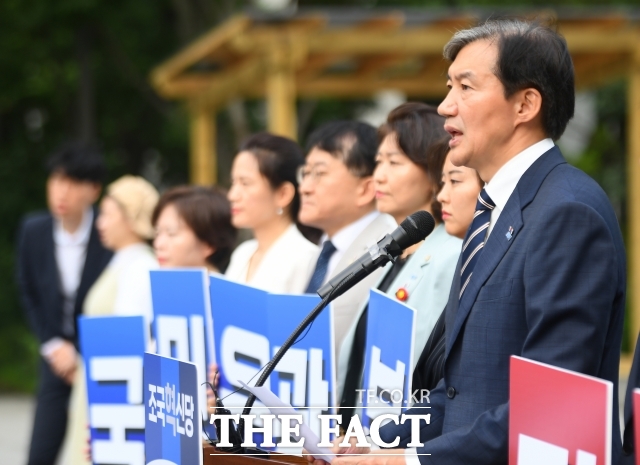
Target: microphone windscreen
418 226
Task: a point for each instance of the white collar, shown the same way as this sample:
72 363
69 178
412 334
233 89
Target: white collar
80 237
130 252
343 239
506 179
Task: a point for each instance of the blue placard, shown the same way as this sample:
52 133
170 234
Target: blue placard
182 320
172 423
388 357
305 377
250 325
113 349
240 335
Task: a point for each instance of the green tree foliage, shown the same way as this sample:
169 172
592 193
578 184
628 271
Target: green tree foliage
79 69
75 69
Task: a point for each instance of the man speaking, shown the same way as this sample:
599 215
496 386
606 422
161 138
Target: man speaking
542 270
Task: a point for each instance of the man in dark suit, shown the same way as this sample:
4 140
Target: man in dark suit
59 258
542 271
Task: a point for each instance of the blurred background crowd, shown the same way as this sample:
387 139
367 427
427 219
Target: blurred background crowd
78 70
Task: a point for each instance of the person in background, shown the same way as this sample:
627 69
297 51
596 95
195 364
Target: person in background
193 228
413 147
338 197
59 259
458 196
123 288
264 198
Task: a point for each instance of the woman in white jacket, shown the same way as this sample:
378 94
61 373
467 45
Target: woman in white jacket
264 198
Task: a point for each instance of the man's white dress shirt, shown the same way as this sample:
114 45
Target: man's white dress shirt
70 253
506 179
343 239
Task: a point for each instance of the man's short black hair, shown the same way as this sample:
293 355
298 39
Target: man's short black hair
78 161
530 55
353 142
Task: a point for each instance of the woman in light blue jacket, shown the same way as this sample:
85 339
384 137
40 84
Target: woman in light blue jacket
413 147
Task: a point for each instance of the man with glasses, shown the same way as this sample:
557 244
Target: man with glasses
338 197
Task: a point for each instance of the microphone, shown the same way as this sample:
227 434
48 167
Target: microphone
411 231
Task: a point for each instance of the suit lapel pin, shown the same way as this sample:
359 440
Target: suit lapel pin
402 295
509 233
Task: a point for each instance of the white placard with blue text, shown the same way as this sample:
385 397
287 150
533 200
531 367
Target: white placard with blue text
172 422
182 320
388 357
113 349
250 325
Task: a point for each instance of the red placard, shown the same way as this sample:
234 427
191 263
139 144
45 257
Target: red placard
557 416
636 421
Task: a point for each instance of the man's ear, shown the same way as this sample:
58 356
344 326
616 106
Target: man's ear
528 105
366 192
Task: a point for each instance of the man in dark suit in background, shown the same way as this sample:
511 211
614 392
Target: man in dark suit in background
542 272
59 259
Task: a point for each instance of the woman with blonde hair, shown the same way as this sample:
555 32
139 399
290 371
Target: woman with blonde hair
123 288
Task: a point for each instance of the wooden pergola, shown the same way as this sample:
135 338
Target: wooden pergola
347 54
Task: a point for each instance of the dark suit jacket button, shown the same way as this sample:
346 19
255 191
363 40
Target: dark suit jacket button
451 392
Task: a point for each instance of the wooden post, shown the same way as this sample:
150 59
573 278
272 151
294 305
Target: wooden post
633 195
203 160
281 92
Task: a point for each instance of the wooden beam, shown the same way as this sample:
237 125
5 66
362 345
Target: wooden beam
386 23
598 39
351 87
406 41
281 92
233 82
202 159
199 49
371 66
633 195
594 70
431 40
260 37
215 88
316 64
435 65
185 86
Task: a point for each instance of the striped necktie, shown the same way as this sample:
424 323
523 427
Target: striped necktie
474 242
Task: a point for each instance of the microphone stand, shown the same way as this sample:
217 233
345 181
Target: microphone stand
328 293
237 436
287 345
